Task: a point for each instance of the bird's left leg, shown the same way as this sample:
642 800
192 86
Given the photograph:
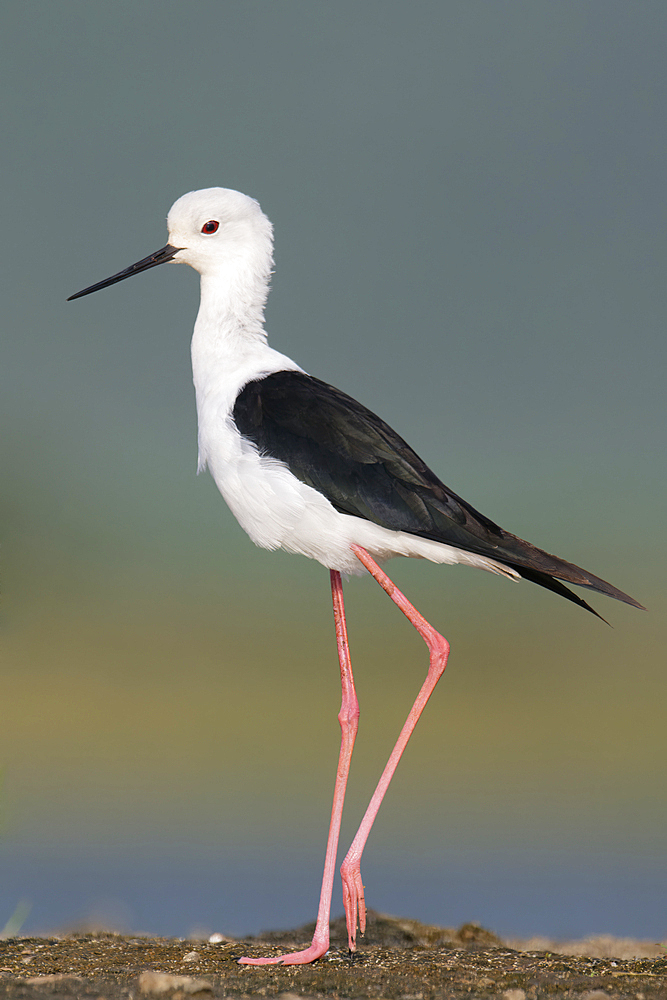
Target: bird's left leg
438 647
349 723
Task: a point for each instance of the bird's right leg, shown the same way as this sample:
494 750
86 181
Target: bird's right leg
438 647
349 723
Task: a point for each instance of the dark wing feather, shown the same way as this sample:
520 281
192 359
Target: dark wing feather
334 444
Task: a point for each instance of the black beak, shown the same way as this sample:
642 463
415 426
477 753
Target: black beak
159 257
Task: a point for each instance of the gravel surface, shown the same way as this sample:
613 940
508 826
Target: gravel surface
398 960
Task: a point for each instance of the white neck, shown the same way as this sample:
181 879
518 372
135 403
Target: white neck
235 294
230 321
229 344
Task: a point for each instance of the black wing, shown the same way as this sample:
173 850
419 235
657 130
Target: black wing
334 444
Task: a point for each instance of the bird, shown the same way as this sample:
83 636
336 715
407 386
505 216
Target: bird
308 469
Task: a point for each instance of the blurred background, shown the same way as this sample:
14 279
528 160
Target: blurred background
469 205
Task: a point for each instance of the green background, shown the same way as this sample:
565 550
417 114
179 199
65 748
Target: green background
469 204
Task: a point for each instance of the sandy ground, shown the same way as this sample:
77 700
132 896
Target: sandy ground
398 960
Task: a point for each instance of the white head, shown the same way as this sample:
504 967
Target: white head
215 227
217 231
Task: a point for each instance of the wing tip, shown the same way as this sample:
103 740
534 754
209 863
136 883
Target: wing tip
549 582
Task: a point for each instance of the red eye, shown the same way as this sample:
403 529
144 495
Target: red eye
210 227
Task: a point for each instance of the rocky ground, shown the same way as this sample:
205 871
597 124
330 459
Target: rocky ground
397 960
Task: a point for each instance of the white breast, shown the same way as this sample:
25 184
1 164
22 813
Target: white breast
270 504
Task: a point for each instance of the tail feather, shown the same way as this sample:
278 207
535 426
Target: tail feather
551 583
548 571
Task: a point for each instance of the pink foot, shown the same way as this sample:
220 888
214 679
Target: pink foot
353 900
316 950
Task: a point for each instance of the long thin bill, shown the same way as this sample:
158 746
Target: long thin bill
159 257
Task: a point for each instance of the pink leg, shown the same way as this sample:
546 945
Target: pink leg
349 723
438 647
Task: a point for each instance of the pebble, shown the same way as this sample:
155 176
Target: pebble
164 982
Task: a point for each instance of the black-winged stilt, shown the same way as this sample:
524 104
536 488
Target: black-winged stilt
306 468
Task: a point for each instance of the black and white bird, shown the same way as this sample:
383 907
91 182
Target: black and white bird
308 469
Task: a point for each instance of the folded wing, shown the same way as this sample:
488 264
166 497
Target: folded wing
334 444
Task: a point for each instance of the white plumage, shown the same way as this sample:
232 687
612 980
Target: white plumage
229 349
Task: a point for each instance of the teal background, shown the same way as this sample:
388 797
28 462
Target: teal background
469 204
